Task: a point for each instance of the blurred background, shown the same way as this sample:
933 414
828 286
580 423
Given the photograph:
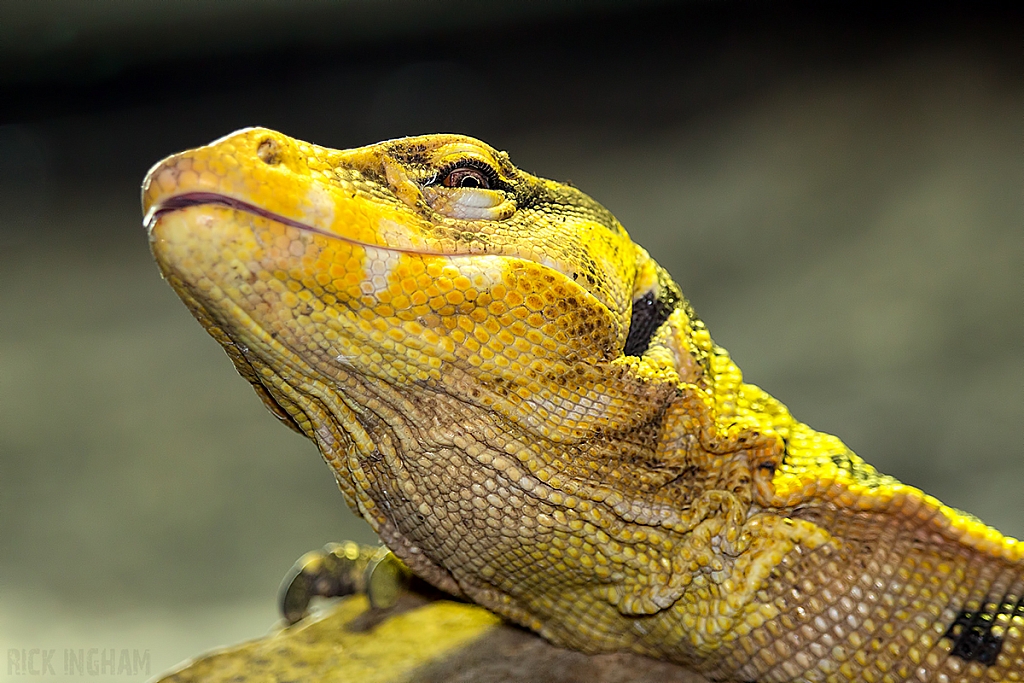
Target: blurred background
836 186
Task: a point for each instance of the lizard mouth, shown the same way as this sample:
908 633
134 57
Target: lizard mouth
190 199
184 201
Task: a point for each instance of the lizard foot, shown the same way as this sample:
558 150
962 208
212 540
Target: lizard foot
340 569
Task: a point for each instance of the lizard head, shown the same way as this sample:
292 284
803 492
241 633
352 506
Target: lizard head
428 261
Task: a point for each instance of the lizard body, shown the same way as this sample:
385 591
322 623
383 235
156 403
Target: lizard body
525 408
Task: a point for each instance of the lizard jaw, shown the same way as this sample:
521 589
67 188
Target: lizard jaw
189 199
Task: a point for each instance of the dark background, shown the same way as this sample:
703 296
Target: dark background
838 191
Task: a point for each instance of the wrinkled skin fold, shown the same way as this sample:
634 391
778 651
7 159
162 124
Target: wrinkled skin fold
525 408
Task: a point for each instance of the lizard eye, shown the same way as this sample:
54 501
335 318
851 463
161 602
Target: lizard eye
470 174
649 313
489 197
466 177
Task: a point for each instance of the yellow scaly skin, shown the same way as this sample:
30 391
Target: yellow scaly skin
457 354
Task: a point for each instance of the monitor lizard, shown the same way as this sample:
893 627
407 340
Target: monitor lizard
524 406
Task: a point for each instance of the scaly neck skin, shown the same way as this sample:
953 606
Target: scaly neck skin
525 408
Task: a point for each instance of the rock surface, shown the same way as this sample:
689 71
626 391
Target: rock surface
417 641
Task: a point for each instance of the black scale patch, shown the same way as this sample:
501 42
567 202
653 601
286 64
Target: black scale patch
649 313
971 632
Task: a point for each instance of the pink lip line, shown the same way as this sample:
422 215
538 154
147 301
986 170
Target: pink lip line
184 201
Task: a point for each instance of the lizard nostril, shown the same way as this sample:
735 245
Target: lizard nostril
269 152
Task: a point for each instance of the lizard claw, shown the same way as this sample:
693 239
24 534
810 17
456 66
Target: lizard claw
340 569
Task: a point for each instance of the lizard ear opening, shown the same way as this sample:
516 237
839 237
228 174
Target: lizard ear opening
649 313
651 309
655 297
